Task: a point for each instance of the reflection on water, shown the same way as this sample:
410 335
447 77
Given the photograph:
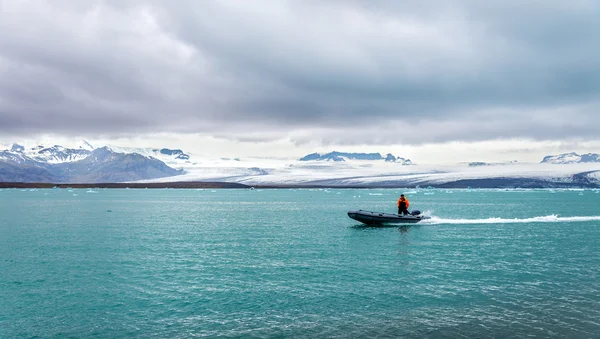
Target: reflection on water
404 229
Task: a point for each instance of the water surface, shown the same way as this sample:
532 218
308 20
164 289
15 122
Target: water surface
290 263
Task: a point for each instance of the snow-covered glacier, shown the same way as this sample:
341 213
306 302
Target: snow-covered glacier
265 171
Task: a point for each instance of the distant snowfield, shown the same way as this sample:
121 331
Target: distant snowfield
264 171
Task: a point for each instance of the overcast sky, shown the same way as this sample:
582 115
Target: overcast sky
432 80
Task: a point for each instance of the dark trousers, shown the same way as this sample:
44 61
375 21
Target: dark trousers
403 210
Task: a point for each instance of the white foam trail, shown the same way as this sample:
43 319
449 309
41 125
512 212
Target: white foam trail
548 218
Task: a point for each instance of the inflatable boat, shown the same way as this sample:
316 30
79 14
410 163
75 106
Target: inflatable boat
380 218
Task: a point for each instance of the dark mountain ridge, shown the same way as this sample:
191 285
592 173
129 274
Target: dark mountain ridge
342 156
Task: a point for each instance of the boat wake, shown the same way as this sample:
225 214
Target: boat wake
544 219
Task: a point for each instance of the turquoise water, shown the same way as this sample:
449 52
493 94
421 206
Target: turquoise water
290 263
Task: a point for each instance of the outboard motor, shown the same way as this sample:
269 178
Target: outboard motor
415 212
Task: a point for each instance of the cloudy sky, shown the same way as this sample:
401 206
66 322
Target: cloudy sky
432 80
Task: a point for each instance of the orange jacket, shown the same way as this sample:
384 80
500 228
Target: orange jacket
406 200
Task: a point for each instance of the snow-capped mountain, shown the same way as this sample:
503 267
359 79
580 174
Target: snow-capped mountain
53 155
58 154
171 157
16 157
343 156
59 164
105 165
571 158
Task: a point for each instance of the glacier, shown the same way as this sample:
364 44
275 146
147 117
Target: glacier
267 171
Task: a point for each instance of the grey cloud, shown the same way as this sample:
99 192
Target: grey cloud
351 72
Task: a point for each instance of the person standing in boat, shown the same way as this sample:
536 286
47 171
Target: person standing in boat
403 204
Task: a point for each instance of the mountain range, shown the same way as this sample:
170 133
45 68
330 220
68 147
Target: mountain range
66 165
109 164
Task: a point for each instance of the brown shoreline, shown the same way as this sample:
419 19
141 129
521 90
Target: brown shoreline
123 185
176 185
179 184
464 184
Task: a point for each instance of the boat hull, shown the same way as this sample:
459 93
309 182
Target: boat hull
379 218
